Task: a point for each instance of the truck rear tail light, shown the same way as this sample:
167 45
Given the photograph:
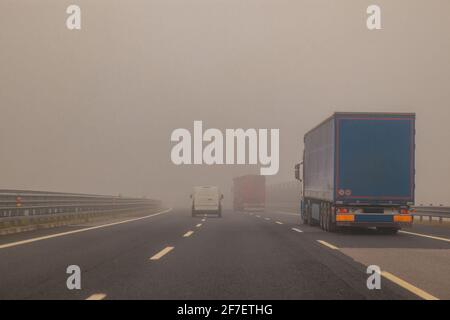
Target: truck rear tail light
402 218
345 217
342 210
404 211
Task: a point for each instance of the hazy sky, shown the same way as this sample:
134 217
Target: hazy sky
93 110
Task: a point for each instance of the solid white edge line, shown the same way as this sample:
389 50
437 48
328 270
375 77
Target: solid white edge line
402 283
329 245
424 236
17 243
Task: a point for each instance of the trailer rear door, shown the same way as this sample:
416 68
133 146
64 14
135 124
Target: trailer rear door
375 158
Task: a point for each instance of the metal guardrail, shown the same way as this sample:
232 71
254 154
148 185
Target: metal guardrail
23 203
432 213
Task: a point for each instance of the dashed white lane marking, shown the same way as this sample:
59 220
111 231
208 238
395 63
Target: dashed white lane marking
203 219
96 296
162 253
198 225
297 230
425 236
188 234
13 244
278 222
402 283
329 245
267 219
258 216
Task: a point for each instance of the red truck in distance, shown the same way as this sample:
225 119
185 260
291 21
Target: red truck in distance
249 193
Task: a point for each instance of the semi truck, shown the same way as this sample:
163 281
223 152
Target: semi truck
249 193
358 170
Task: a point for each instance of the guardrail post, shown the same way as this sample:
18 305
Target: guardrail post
18 202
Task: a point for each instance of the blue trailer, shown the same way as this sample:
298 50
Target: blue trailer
358 170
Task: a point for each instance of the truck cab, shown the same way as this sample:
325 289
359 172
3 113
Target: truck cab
206 200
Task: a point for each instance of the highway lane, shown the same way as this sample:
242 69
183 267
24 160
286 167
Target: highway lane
37 270
238 256
420 255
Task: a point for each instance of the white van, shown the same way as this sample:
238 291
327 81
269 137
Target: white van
206 199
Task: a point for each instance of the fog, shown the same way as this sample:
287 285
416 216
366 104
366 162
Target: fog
92 110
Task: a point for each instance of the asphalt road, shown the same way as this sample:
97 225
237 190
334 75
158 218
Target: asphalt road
238 256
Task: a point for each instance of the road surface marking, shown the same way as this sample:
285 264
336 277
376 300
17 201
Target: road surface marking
329 245
13 244
163 252
187 234
408 286
258 216
297 230
199 225
425 236
203 219
267 219
278 222
96 296
289 213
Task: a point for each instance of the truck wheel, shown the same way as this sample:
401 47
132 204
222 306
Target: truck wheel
385 230
311 221
331 226
303 219
321 221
